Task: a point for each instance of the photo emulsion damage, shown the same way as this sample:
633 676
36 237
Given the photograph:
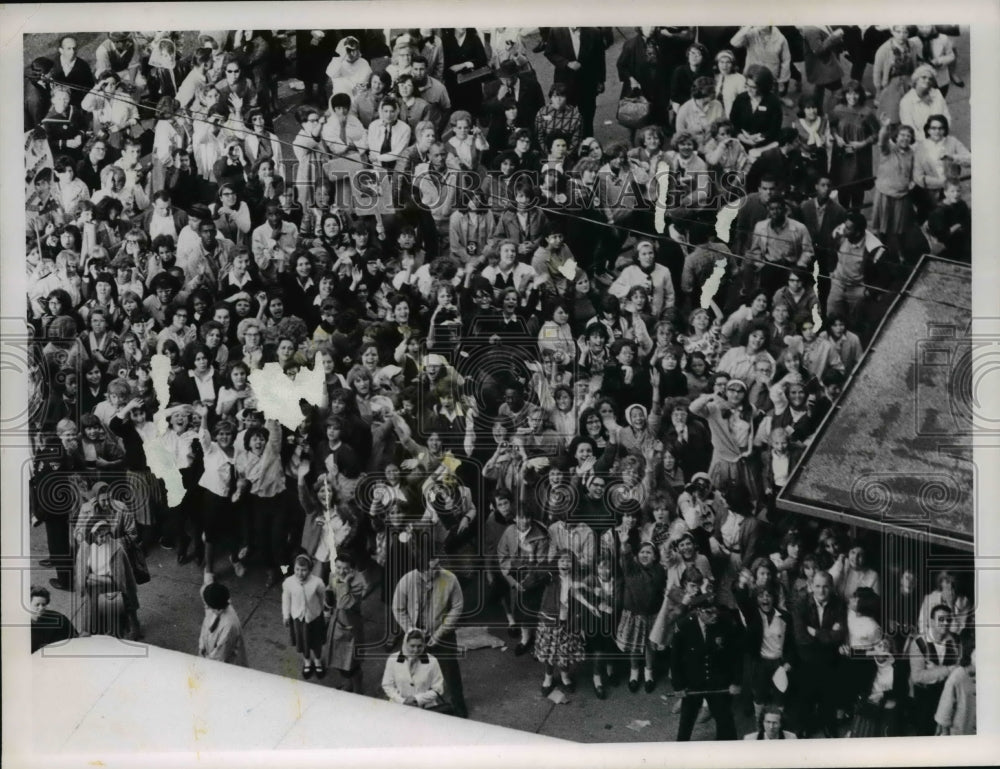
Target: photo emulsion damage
585 381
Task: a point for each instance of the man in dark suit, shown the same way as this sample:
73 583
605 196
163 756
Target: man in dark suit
822 215
820 623
578 56
707 656
522 88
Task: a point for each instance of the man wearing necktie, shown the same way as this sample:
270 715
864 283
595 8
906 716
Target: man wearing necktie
388 134
578 56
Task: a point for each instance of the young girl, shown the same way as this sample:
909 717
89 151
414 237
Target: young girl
237 394
814 133
645 582
262 480
346 631
559 643
854 129
601 595
302 613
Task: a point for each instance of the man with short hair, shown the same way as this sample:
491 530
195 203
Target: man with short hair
857 251
430 598
933 657
72 71
820 623
522 88
821 215
578 54
779 242
432 91
707 660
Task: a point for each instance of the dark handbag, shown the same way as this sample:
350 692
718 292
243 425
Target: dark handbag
633 110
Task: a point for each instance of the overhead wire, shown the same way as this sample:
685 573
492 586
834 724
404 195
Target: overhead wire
556 212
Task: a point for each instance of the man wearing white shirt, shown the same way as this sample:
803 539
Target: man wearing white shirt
388 136
273 243
349 72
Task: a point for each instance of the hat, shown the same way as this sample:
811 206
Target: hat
97 488
702 601
98 526
434 360
351 42
118 37
199 211
215 595
403 41
736 384
508 69
700 477
725 53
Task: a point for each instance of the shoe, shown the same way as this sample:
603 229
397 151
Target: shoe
59 585
600 691
541 47
547 689
522 648
46 563
307 672
568 686
649 685
633 685
239 568
166 544
958 82
320 671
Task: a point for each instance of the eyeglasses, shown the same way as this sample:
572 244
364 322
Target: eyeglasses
232 72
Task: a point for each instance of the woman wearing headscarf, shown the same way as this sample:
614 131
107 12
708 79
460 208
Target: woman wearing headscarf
103 575
413 677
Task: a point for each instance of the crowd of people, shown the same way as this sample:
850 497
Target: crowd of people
544 370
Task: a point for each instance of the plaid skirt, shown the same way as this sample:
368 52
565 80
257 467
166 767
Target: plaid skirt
556 645
633 630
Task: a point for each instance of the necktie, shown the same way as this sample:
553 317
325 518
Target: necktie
386 139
